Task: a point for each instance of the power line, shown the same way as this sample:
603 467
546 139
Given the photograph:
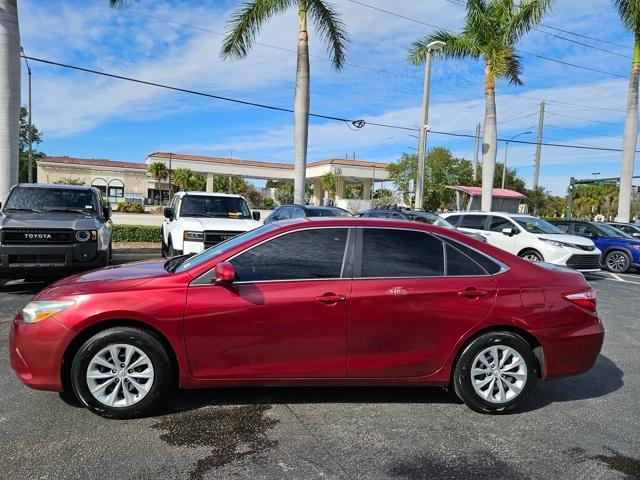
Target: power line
542 57
614 124
593 47
601 40
373 69
358 123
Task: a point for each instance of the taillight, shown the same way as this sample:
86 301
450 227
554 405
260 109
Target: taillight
585 300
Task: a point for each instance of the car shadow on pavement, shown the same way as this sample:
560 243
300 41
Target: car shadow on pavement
604 378
185 400
24 287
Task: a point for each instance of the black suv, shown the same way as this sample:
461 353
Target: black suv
285 212
48 229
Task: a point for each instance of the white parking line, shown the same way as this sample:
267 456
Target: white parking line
618 277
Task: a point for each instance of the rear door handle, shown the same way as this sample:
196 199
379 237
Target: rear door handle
472 292
330 298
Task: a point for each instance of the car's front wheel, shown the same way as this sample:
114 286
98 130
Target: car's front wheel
495 372
532 255
617 261
121 372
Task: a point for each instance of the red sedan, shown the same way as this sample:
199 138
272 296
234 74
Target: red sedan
312 302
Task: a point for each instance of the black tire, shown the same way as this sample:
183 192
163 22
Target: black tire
136 337
531 255
462 378
617 261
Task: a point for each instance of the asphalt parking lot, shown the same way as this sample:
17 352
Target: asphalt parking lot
583 427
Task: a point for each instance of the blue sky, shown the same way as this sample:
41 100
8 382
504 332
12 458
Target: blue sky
178 43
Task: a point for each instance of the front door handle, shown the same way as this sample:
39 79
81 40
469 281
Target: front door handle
330 298
472 292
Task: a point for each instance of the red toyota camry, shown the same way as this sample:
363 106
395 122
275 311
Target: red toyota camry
327 302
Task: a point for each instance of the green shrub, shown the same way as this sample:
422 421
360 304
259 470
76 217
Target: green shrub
268 202
128 207
136 233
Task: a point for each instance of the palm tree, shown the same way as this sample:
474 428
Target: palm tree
629 11
159 172
244 27
182 177
9 95
491 31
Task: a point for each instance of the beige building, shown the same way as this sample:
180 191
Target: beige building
120 181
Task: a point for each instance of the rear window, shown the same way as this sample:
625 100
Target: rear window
475 222
489 265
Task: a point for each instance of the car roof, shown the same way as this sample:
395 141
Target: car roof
55 185
504 214
183 193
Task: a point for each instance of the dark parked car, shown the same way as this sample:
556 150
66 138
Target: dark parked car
628 228
333 301
422 216
619 251
286 212
50 229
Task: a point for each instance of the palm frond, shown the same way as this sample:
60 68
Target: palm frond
629 11
119 3
527 15
478 18
331 28
245 24
457 46
513 69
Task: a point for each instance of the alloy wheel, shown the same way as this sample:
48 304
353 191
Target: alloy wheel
617 262
498 374
120 375
532 257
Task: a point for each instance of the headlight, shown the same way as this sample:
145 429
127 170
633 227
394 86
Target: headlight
86 235
194 236
41 310
555 243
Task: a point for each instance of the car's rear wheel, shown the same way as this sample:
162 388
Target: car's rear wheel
495 373
617 261
532 255
121 372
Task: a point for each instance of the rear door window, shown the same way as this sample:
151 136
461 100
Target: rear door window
475 222
401 253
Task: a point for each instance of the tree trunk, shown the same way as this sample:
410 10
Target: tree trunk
301 107
629 139
9 95
489 140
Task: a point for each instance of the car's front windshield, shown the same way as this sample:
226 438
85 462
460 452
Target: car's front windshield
214 206
535 225
220 248
327 212
430 218
610 231
40 199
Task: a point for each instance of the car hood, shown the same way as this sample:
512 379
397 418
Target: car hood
574 239
76 221
201 224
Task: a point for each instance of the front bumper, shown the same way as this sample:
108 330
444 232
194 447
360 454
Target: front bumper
36 352
579 260
570 350
19 260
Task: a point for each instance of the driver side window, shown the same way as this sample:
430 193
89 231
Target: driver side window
584 230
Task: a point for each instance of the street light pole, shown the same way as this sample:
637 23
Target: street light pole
422 139
30 128
506 150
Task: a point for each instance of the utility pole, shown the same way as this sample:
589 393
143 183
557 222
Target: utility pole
30 127
476 146
536 170
170 184
424 126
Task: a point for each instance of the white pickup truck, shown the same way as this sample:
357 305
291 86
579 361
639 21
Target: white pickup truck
196 220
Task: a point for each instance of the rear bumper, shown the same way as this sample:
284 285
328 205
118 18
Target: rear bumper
570 350
18 261
36 352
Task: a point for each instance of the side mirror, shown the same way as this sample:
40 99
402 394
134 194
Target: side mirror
106 212
509 231
223 273
255 215
636 234
168 213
